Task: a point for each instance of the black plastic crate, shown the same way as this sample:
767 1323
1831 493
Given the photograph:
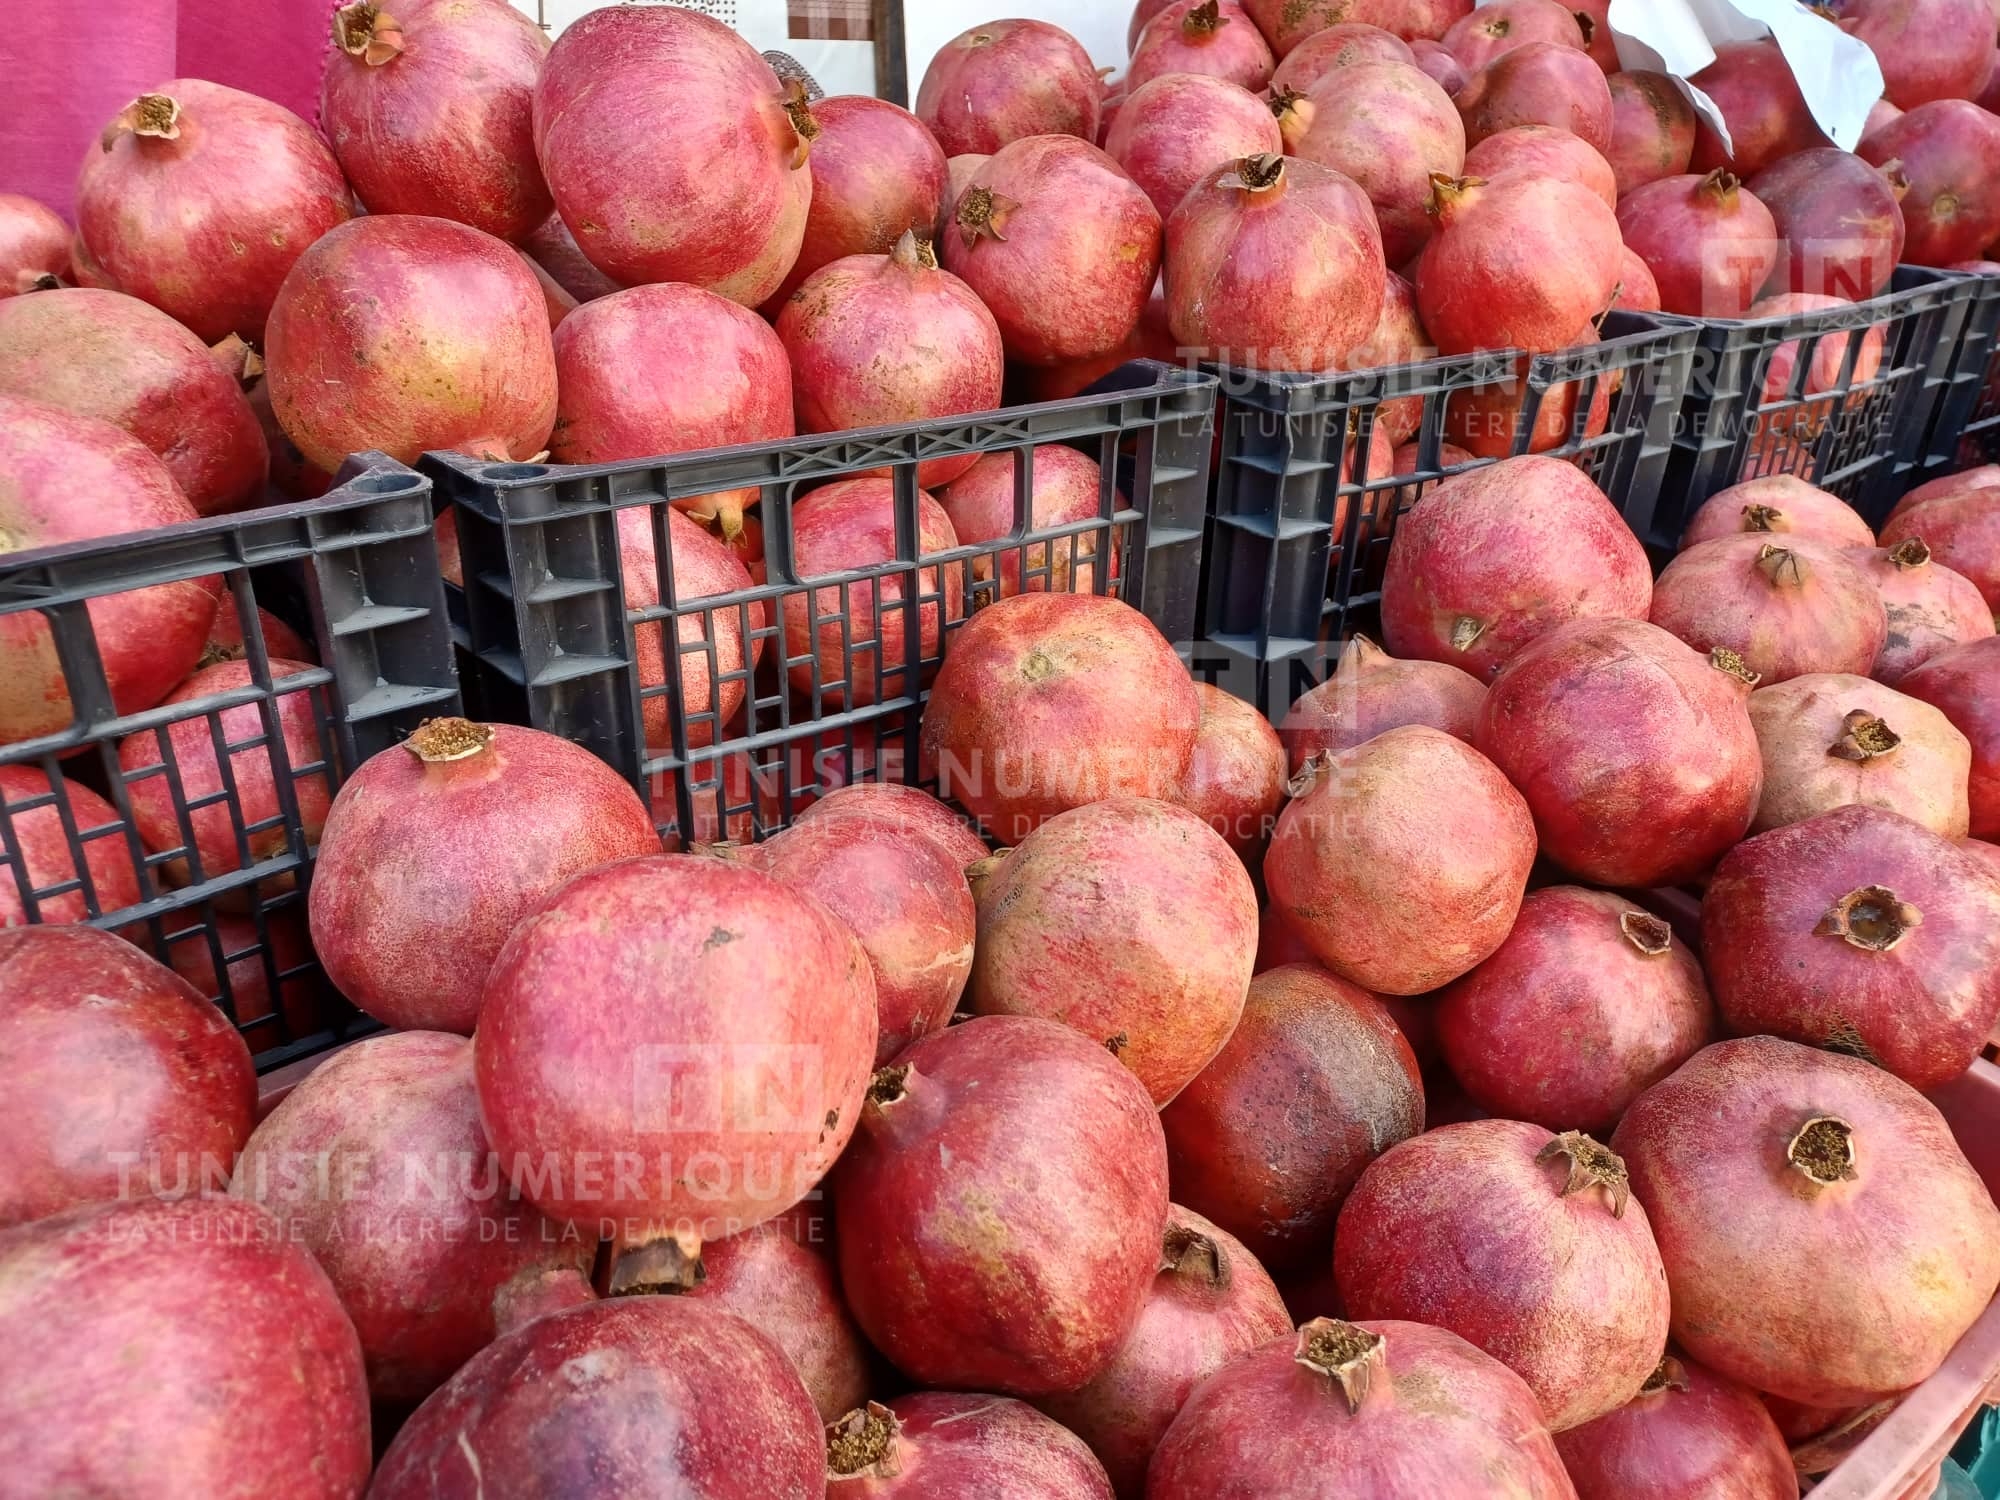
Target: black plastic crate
355 575
1298 539
1965 428
556 645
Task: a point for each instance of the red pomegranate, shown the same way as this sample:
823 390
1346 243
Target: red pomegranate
1345 870
1174 130
1278 945
1043 1127
123 1321
1983 853
1493 558
450 349
1053 701
1710 243
876 173
643 965
1274 263
84 269
1539 84
1637 290
71 478
1928 49
1399 339
880 339
1210 1303
1546 149
1688 1433
1494 30
1522 262
1652 129
1786 610
494 816
1826 371
1930 608
942 1446
1236 779
910 811
633 1392
555 250
1313 1085
1880 113
1964 681
1862 931
1593 19
1830 740
1985 477
1393 1408
1211 38
1142 15
1060 244
1409 459
377 1164
1839 226
702 568
1068 488
1152 339
1962 531
108 881
1337 47
1441 63
1587 1004
1825 1238
907 901
34 247
1778 506
1946 150
1753 87
201 200
257 963
1391 129
1369 693
1523 1243
1006 81
559 302
91 1020
430 110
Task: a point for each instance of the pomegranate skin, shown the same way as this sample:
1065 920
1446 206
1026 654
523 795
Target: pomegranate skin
450 351
1437 60
1006 81
910 811
1369 693
1052 701
1546 149
1345 870
633 1395
1964 682
1337 47
1236 779
939 1445
1779 1279
1830 740
1807 934
1985 477
1175 130
444 125
47 860
1315 1083
1068 487
555 250
124 1325
1652 129
1399 339
1928 49
1493 558
703 567
206 223
34 247
1435 1232
91 1019
489 819
1839 225
1274 263
1080 251
1709 242
1983 853
1946 150
1587 1004
1636 755
1930 608
1207 38
1388 127
1962 531
1539 84
1782 505
244 952
70 478
1394 1409
1691 1434
1210 1302
1062 1147
1492 31
1637 290
1785 609
1752 85
113 357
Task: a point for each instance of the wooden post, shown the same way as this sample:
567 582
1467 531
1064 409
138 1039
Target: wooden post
892 67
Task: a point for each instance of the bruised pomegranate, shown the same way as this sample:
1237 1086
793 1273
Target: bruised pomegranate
1652 129
1946 150
1539 84
1839 226
1211 38
1494 30
1930 608
1390 129
1172 132
1830 740
1236 779
1369 693
1786 608
1962 531
34 247
1779 506
1548 150
1006 81
1525 1244
1337 47
1710 243
108 881
1689 1433
1928 49
1826 1240
1048 1131
1759 99
1964 681
1068 488
937 1445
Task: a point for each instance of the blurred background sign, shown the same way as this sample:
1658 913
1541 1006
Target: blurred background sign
837 41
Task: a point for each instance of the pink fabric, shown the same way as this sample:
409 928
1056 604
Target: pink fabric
70 65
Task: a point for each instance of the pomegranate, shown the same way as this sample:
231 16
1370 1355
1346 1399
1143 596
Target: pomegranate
1343 865
1593 19
1985 477
1278 945
1314 1084
1152 339
881 339
1930 608
202 198
1946 150
1052 701
1826 1240
256 964
1637 290
555 250
1523 1243
1142 16
34 247
913 813
943 1446
122 1080
1831 740
1494 30
84 269
1964 681
1370 692
669 1393
907 901
1652 129
1880 113
70 478
1689 1433
108 881
449 350
109 356
1786 610
1539 84
1409 459
1780 505
1548 150
1928 49
1710 243
1212 38
1172 132
1983 853
123 1321
1827 368
1438 61
560 303
1045 1129
1522 262
1399 339
1274 263
1210 1303
1007 81
1068 488
1839 227
1236 780
1393 1408
1962 531
1337 47
430 110
1391 129
1759 99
